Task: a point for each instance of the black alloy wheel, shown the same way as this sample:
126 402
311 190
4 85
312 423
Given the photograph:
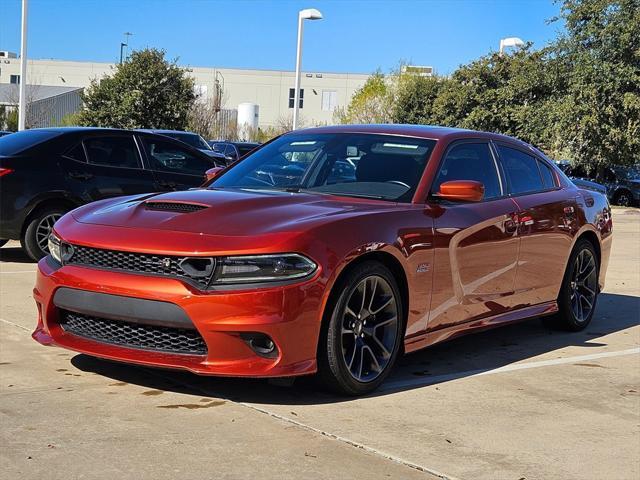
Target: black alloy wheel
363 335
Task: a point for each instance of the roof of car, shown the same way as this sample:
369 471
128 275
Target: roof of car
157 130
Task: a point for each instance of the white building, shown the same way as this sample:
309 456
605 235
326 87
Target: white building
271 90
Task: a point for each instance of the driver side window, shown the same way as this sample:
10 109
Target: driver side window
470 161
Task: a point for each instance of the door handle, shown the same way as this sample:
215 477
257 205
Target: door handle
80 175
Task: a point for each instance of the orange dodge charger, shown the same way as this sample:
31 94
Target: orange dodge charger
328 250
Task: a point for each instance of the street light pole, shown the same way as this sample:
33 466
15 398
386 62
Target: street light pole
22 107
307 14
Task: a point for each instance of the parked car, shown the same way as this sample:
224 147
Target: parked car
4 132
190 138
580 182
441 232
44 173
233 151
623 184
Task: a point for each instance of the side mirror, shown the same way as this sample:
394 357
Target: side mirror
212 173
462 190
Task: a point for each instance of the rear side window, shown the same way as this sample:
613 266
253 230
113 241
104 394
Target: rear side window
521 170
20 142
547 175
219 147
168 157
470 161
76 153
113 151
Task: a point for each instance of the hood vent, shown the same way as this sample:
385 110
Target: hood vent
179 207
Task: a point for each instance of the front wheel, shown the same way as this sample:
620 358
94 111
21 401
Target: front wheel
363 334
579 291
623 199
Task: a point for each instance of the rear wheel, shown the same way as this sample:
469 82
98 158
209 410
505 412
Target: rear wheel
36 235
362 337
579 292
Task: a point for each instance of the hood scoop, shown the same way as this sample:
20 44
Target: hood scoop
178 207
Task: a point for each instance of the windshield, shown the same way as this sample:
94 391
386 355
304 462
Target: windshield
192 139
632 173
384 167
20 141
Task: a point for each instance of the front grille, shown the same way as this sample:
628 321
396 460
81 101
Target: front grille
174 206
169 266
134 335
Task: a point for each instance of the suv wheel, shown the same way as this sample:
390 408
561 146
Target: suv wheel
36 235
623 198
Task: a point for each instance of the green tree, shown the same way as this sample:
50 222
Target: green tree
371 103
599 117
414 98
147 91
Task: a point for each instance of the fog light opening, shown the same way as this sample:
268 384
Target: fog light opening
261 344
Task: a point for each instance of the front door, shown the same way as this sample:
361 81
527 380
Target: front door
175 167
476 244
103 166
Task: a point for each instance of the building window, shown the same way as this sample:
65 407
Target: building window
329 100
15 79
292 100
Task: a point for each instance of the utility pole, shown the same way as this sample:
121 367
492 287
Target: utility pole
124 44
22 106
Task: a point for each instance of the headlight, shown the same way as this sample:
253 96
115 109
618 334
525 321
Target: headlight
60 251
263 268
54 248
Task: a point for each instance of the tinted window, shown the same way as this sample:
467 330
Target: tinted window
470 161
244 149
521 170
547 175
169 157
76 153
196 141
112 151
219 147
231 152
19 142
389 167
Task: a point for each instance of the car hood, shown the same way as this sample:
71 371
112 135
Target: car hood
223 212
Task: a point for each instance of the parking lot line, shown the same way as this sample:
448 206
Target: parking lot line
417 382
18 271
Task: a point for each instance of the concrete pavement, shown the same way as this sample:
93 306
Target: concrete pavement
521 402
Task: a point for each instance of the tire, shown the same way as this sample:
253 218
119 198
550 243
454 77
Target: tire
623 198
3 242
34 240
578 290
355 358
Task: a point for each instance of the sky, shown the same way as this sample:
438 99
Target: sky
355 36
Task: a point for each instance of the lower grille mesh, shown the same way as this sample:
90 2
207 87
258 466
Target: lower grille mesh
134 335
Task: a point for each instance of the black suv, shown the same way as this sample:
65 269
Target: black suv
44 173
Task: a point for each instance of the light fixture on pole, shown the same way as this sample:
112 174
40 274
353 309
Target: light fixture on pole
306 14
22 104
510 42
124 44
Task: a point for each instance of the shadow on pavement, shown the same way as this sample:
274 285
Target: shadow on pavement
14 254
458 358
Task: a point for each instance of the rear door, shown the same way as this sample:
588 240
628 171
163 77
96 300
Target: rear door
546 222
476 243
105 165
175 167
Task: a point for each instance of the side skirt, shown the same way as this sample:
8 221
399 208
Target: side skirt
454 331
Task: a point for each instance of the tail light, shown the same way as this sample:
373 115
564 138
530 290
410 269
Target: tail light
5 171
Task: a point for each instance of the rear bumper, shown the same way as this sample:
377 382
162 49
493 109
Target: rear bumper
289 315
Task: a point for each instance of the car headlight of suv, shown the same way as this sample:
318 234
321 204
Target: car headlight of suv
263 268
59 250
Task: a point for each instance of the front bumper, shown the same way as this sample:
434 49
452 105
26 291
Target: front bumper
290 315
